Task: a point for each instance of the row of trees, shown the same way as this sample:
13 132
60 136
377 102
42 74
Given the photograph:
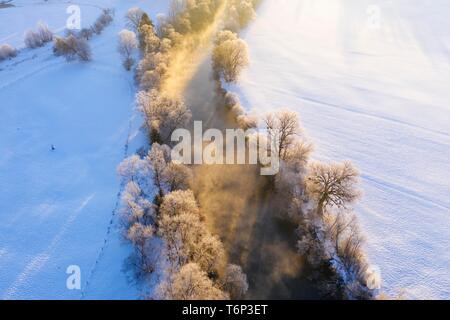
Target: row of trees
319 194
75 44
230 57
192 250
7 51
185 17
194 259
319 197
155 49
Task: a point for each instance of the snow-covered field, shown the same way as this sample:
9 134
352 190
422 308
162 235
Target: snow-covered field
370 80
56 207
25 14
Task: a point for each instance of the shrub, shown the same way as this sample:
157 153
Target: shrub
72 48
86 33
44 32
103 20
35 39
7 51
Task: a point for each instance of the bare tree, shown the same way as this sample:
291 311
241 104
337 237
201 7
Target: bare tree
133 18
283 127
337 224
127 46
230 56
332 185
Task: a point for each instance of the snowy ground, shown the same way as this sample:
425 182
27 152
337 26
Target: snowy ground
24 15
56 208
375 91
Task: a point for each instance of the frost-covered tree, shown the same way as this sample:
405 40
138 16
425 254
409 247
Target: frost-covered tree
127 46
208 252
151 70
181 234
190 283
283 127
7 51
337 224
140 235
135 169
133 18
135 206
177 177
158 157
289 182
230 56
332 184
298 154
186 236
239 13
163 114
178 202
148 40
235 282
